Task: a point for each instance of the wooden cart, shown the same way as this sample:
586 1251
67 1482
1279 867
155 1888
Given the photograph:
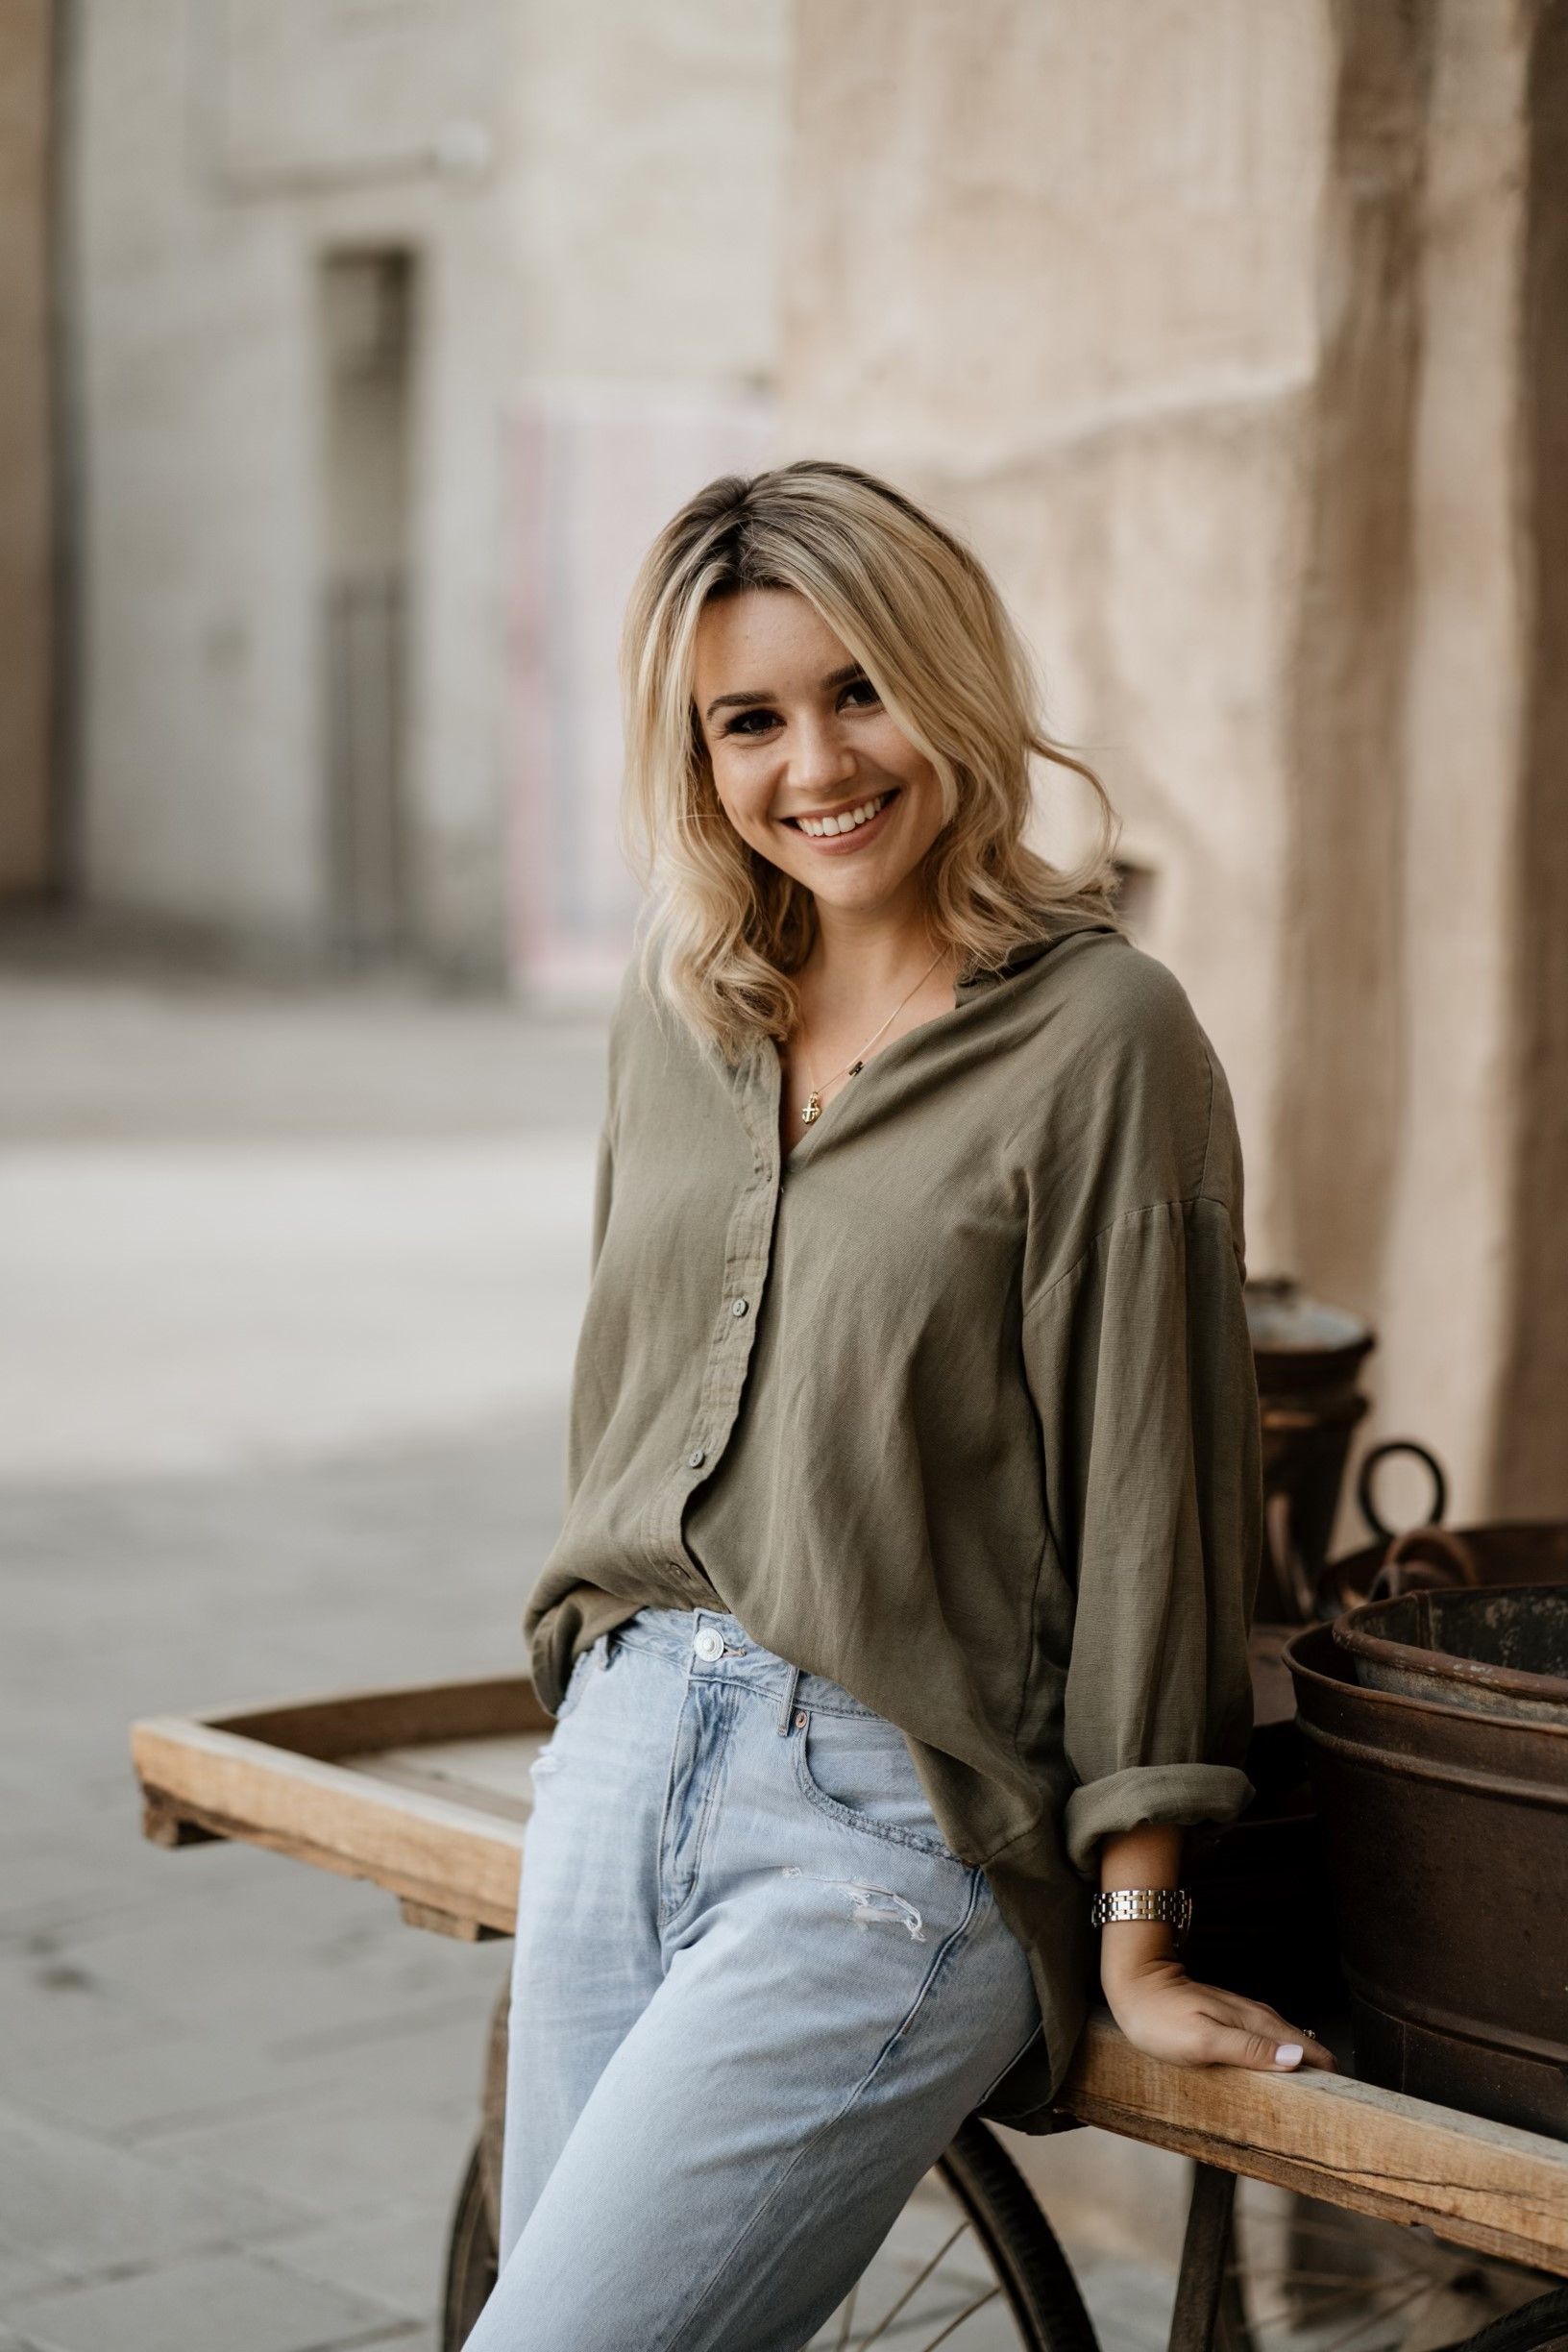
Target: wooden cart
425 1792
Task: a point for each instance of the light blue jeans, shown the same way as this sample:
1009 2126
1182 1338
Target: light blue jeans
753 1997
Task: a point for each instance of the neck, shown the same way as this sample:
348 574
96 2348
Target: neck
861 956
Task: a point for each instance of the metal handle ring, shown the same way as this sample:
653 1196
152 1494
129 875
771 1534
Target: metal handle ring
1424 1559
1364 1484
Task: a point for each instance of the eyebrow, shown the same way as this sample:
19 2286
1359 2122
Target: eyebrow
750 697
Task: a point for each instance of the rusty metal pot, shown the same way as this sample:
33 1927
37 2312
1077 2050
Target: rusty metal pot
1307 1356
1447 1837
1500 1649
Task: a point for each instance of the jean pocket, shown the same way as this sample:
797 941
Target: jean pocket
576 1681
858 1769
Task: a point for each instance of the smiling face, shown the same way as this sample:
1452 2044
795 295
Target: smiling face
808 766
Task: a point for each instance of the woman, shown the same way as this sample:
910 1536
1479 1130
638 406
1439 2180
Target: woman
913 1465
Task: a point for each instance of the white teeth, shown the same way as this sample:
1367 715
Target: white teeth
821 826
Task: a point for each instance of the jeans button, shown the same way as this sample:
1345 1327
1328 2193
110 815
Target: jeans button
709 1642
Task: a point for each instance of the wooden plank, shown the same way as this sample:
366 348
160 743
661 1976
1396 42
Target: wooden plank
445 1923
497 1767
422 1789
430 1849
337 1724
424 1792
1203 2248
1478 2184
402 1772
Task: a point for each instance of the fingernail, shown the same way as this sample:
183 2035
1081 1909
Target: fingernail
1289 2054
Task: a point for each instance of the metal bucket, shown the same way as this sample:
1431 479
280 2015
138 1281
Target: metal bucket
1447 1835
1501 1650
1502 1551
1263 1922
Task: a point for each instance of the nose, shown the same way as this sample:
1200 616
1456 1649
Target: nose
820 760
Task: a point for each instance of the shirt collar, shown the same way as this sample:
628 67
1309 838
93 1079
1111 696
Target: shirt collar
1052 926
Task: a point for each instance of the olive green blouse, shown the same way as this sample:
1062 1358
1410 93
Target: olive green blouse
954 1404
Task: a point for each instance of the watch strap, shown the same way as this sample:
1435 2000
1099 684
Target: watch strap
1170 1907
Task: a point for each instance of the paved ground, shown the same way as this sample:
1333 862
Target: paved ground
291 1288
289 1283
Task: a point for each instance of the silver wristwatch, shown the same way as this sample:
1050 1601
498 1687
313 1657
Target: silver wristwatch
1173 1906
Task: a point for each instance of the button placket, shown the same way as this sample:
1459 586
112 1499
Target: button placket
749 1248
725 1377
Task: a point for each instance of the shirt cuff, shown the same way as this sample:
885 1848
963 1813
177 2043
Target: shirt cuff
1169 1795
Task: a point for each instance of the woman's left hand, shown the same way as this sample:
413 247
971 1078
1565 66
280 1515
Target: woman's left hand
1163 2012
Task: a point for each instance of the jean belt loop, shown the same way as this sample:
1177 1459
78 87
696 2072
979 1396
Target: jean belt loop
787 1710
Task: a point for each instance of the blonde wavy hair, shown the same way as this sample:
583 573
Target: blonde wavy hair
724 930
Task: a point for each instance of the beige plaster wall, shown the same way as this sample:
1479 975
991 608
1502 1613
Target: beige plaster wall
25 520
1429 1242
1527 1435
1061 282
1208 326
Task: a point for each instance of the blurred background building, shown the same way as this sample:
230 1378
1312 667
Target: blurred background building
385 333
357 347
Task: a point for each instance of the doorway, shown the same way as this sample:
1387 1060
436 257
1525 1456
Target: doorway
368 310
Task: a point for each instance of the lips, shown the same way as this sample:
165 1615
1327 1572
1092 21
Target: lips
842 829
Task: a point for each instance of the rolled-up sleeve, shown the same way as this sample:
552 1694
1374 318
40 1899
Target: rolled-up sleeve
1141 1366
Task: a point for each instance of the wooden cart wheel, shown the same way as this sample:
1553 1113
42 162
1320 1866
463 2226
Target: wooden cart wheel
1541 2326
971 2261
1303 2276
471 2258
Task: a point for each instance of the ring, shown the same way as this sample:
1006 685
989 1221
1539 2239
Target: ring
1308 2031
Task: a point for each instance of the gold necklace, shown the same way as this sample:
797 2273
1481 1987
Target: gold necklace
814 1100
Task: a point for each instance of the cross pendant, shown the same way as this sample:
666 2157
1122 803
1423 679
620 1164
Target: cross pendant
812 1110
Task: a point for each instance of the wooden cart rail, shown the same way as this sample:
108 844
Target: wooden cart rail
424 1791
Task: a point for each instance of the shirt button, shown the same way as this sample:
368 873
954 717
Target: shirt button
696 1457
709 1642
738 1307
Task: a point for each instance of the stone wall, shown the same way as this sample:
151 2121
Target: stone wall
1236 348
26 553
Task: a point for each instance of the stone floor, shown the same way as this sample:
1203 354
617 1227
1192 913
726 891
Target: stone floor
291 1285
